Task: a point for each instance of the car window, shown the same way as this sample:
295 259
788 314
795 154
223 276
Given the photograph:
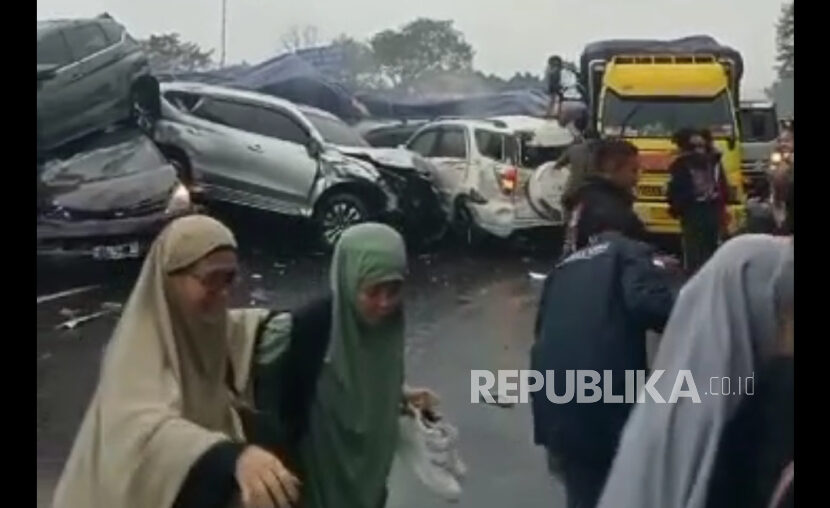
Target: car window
183 100
490 144
227 113
275 124
335 130
113 31
452 144
424 143
84 40
53 50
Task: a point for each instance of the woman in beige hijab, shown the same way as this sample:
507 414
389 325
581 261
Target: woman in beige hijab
162 429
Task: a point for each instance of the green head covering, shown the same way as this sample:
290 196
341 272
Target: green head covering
348 451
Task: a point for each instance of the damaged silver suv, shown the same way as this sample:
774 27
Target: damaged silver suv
263 152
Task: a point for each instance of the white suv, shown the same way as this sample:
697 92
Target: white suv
480 175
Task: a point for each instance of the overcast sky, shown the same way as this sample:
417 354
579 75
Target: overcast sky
508 36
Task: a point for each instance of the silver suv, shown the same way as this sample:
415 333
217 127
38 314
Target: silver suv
262 152
90 74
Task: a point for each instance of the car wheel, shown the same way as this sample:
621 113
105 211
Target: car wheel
337 213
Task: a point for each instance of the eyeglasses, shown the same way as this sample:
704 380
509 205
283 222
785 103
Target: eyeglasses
215 279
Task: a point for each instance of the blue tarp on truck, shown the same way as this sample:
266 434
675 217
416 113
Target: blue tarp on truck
288 77
521 102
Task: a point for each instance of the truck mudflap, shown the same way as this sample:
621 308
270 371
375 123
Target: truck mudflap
657 218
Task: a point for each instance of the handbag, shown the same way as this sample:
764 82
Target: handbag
428 447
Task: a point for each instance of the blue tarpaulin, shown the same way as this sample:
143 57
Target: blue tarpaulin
292 78
288 77
521 102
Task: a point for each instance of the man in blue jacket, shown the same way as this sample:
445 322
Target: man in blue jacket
597 305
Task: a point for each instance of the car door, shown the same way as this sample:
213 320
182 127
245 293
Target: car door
220 137
446 148
57 95
97 79
288 171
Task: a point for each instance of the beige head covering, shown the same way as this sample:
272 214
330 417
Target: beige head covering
163 397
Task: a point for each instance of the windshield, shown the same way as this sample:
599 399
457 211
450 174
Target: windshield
657 117
759 125
335 131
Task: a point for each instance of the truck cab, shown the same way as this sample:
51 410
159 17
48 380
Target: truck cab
645 91
759 132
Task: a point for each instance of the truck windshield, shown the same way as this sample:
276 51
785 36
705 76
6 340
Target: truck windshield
759 125
657 117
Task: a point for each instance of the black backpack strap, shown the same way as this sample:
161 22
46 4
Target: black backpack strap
301 365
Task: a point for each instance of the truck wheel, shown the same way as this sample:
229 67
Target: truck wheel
337 213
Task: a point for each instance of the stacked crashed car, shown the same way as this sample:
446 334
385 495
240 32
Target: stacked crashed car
262 152
90 75
483 168
107 200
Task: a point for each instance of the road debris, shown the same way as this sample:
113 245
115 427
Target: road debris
69 313
62 294
112 306
537 276
78 321
75 321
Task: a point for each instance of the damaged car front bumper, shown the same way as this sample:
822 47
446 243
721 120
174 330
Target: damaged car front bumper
101 239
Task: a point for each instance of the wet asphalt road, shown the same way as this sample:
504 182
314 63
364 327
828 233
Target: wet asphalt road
466 309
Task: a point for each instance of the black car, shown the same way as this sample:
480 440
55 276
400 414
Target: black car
108 200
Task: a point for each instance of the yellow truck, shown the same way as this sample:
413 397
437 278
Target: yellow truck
645 91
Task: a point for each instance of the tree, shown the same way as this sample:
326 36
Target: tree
785 39
167 53
360 71
420 46
298 38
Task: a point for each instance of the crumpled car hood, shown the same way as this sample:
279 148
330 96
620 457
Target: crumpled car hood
118 194
126 174
394 157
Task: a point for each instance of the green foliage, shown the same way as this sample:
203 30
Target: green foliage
424 45
785 39
167 53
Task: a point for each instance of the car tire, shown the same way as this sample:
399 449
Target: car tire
465 226
338 212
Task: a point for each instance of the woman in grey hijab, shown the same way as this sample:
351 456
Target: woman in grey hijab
723 326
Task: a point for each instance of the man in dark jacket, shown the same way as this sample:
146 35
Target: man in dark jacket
604 198
596 307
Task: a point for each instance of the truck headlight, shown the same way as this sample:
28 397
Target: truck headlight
179 200
776 157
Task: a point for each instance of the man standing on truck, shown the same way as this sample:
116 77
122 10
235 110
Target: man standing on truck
697 196
553 80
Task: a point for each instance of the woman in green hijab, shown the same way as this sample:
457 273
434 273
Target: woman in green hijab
332 375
